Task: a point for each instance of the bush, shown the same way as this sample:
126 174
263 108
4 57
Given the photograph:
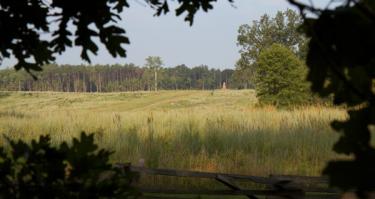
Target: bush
280 77
78 170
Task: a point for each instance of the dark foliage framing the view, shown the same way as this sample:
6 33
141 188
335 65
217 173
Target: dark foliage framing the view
76 170
341 62
340 58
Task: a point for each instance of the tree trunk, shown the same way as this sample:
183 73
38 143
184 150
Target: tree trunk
156 80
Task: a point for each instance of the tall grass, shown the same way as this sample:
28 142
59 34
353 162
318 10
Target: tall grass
195 130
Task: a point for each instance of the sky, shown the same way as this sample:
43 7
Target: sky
210 41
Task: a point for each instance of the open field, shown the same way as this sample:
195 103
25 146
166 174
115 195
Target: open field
197 130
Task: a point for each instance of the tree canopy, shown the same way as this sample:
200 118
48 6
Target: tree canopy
261 34
280 77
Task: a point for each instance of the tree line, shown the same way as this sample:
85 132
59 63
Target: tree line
115 78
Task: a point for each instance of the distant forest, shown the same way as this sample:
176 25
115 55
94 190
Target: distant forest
115 78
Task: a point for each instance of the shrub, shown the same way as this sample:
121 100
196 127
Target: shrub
280 77
77 170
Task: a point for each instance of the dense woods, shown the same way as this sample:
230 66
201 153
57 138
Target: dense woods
114 78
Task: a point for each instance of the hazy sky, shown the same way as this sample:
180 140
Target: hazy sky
210 41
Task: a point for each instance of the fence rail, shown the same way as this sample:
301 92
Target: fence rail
278 186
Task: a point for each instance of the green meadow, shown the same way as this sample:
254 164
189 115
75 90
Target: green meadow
218 131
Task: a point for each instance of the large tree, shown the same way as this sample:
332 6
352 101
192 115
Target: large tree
260 34
280 77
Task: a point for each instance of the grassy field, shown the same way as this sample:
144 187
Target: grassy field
220 131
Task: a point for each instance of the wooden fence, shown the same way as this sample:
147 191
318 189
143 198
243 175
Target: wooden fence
276 186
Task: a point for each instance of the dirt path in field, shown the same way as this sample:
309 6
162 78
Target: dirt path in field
143 103
163 100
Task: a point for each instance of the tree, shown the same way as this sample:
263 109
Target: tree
28 22
280 77
154 63
281 29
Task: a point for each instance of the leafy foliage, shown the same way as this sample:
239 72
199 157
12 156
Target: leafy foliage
261 34
191 7
154 62
71 23
341 62
281 29
280 77
79 170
